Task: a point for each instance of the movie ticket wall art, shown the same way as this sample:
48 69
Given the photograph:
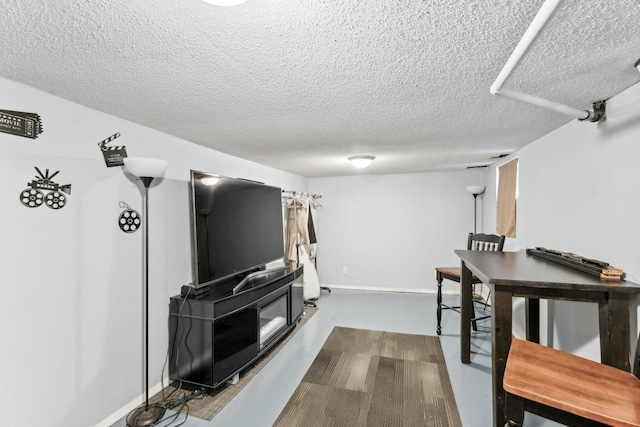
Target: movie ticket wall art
18 123
44 191
129 220
115 155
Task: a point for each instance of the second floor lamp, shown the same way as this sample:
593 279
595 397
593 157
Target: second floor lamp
474 190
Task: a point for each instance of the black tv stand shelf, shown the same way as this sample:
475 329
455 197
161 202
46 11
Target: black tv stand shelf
215 332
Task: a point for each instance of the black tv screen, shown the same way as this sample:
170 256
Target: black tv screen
237 226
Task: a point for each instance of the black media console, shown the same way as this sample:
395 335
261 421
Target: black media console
217 332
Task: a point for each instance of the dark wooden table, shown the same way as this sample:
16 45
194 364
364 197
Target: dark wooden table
516 274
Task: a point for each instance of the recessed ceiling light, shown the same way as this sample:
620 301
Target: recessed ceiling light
225 2
361 162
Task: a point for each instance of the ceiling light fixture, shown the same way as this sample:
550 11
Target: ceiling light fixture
225 2
361 162
637 65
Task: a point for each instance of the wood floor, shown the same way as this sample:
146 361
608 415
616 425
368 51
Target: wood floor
261 401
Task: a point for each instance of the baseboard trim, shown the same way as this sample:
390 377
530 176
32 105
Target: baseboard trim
393 290
122 412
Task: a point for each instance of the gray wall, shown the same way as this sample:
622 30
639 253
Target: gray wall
579 193
72 281
391 231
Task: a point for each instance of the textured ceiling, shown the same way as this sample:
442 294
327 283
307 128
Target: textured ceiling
300 85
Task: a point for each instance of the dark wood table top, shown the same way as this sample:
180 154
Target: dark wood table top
519 268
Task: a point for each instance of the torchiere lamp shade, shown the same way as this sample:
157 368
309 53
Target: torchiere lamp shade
475 189
145 166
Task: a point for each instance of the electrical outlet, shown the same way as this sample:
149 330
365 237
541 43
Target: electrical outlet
344 270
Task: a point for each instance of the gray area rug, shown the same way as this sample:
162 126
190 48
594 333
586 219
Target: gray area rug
373 378
209 406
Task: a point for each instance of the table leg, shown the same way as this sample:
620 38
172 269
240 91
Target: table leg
501 312
532 315
466 299
615 341
439 300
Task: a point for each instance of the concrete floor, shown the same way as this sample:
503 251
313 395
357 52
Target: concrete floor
262 400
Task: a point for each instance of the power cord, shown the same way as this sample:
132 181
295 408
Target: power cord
183 408
179 404
195 394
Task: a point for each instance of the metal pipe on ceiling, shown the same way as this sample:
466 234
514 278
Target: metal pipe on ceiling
544 15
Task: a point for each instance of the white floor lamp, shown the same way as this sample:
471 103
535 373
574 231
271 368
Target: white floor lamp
475 190
146 169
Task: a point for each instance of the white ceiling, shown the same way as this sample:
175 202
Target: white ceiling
300 85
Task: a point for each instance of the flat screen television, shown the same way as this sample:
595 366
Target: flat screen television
237 226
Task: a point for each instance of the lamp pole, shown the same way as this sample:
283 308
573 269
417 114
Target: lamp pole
146 415
146 169
475 221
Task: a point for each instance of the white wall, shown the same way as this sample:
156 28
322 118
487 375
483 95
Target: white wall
71 323
579 193
391 231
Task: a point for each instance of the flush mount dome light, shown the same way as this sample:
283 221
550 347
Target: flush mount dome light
361 162
225 2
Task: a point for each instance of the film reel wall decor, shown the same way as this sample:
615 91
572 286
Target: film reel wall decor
129 220
44 191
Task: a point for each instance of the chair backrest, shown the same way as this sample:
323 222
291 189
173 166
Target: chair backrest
485 242
635 368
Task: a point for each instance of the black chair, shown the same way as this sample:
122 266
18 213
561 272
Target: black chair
475 242
569 389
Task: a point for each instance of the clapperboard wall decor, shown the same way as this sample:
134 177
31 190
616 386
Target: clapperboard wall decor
129 220
18 123
113 156
34 196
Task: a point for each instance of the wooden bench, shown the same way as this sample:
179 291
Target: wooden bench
568 389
